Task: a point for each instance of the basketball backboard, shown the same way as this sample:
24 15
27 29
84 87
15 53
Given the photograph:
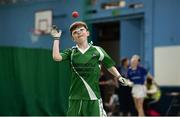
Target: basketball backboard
43 21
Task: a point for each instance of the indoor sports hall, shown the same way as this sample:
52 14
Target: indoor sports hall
33 84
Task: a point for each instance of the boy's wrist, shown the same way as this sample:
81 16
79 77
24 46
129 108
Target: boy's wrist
56 38
118 77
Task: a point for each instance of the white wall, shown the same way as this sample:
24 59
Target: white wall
167 65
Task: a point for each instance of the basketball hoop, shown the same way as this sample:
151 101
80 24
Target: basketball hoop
35 34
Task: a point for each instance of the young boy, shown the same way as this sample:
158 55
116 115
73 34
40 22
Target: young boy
84 98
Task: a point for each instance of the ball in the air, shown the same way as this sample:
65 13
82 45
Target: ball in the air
75 14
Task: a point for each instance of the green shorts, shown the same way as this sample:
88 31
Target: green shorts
86 108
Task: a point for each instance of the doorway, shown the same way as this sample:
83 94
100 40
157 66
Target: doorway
107 36
120 38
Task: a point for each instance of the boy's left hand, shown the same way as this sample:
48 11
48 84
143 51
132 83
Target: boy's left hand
125 82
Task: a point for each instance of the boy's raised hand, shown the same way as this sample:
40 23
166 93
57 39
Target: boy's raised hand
55 32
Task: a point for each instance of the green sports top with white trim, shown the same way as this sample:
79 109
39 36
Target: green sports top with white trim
86 71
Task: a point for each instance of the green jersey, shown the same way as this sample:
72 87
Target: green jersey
86 71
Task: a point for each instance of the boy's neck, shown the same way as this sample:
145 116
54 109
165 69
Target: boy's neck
134 67
83 46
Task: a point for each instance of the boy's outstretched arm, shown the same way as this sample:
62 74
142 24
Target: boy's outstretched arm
117 75
56 34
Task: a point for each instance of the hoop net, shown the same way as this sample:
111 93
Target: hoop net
35 34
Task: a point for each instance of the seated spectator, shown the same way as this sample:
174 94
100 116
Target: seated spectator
107 87
113 105
152 98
